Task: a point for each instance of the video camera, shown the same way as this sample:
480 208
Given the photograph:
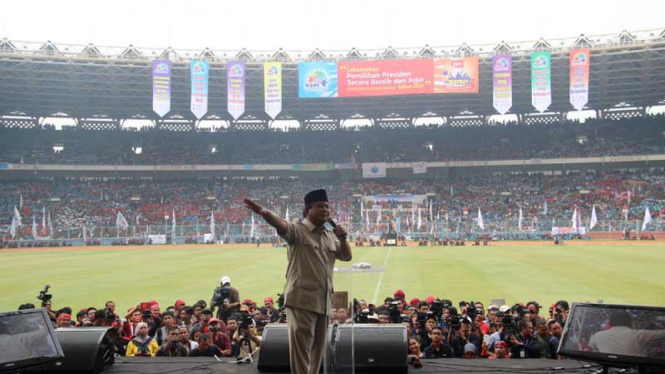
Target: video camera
245 321
394 313
222 296
509 326
44 296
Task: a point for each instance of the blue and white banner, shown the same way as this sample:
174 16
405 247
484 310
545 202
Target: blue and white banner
374 170
199 76
317 79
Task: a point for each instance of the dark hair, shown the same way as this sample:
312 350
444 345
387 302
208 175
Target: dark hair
206 311
452 310
306 209
171 328
422 303
540 322
523 325
107 303
562 303
620 318
204 336
234 318
202 303
551 322
437 328
189 310
26 306
91 308
169 313
66 309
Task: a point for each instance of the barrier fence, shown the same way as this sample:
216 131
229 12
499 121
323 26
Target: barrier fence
531 229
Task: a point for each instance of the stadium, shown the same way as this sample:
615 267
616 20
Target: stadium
123 172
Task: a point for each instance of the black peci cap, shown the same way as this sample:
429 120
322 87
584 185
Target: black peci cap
316 196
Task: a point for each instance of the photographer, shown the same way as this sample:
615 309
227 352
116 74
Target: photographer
462 336
272 314
245 337
226 298
524 344
172 347
219 337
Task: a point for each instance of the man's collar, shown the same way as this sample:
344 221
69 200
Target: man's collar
310 226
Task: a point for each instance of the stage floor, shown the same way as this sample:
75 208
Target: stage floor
203 365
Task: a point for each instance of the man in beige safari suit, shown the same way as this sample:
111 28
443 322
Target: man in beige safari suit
309 288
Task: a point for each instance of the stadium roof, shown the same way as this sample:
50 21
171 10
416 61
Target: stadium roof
88 81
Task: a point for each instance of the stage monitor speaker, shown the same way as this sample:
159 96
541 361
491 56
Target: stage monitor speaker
86 349
378 348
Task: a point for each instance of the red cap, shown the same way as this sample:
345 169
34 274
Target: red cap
85 310
552 306
211 320
415 301
430 299
247 301
502 344
153 304
399 294
180 302
268 300
64 315
532 308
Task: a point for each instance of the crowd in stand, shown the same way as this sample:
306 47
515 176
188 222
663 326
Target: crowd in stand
435 328
634 136
543 198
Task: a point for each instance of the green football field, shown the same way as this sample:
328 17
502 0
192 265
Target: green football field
615 272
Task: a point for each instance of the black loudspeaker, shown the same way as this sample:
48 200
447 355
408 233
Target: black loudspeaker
86 349
378 348
274 351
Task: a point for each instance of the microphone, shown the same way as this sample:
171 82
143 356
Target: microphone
333 224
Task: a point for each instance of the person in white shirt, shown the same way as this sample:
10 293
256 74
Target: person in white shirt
622 339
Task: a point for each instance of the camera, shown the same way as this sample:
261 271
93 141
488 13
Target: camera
222 295
509 326
437 308
280 300
456 322
394 313
245 321
44 296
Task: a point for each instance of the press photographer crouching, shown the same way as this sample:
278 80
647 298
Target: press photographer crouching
226 298
246 338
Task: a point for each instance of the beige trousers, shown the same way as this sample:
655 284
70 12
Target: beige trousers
307 340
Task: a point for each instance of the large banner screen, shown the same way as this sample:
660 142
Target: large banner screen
385 77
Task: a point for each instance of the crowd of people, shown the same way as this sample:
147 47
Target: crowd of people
452 205
229 327
633 136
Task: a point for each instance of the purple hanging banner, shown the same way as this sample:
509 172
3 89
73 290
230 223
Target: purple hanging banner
235 88
161 86
502 81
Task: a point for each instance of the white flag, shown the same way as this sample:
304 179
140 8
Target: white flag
367 221
545 207
20 202
34 228
519 222
574 220
287 213
378 216
420 220
120 221
16 223
43 218
212 224
50 225
362 211
413 215
647 219
431 217
251 228
594 219
173 228
481 223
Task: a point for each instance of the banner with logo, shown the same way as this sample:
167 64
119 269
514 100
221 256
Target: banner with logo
235 88
161 86
272 88
541 84
374 170
312 167
502 83
456 75
419 167
317 79
384 77
199 73
579 77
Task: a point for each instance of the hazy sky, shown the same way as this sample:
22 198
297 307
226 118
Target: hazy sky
329 25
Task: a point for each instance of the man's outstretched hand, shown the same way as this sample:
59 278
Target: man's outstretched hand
254 207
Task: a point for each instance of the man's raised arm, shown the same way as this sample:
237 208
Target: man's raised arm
273 220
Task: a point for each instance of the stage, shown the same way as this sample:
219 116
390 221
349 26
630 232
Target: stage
202 365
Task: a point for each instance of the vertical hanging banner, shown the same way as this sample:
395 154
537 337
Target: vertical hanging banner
317 79
385 77
161 86
272 88
235 88
199 74
579 77
541 84
456 75
502 82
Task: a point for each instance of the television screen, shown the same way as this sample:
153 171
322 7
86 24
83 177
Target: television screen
27 339
615 334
